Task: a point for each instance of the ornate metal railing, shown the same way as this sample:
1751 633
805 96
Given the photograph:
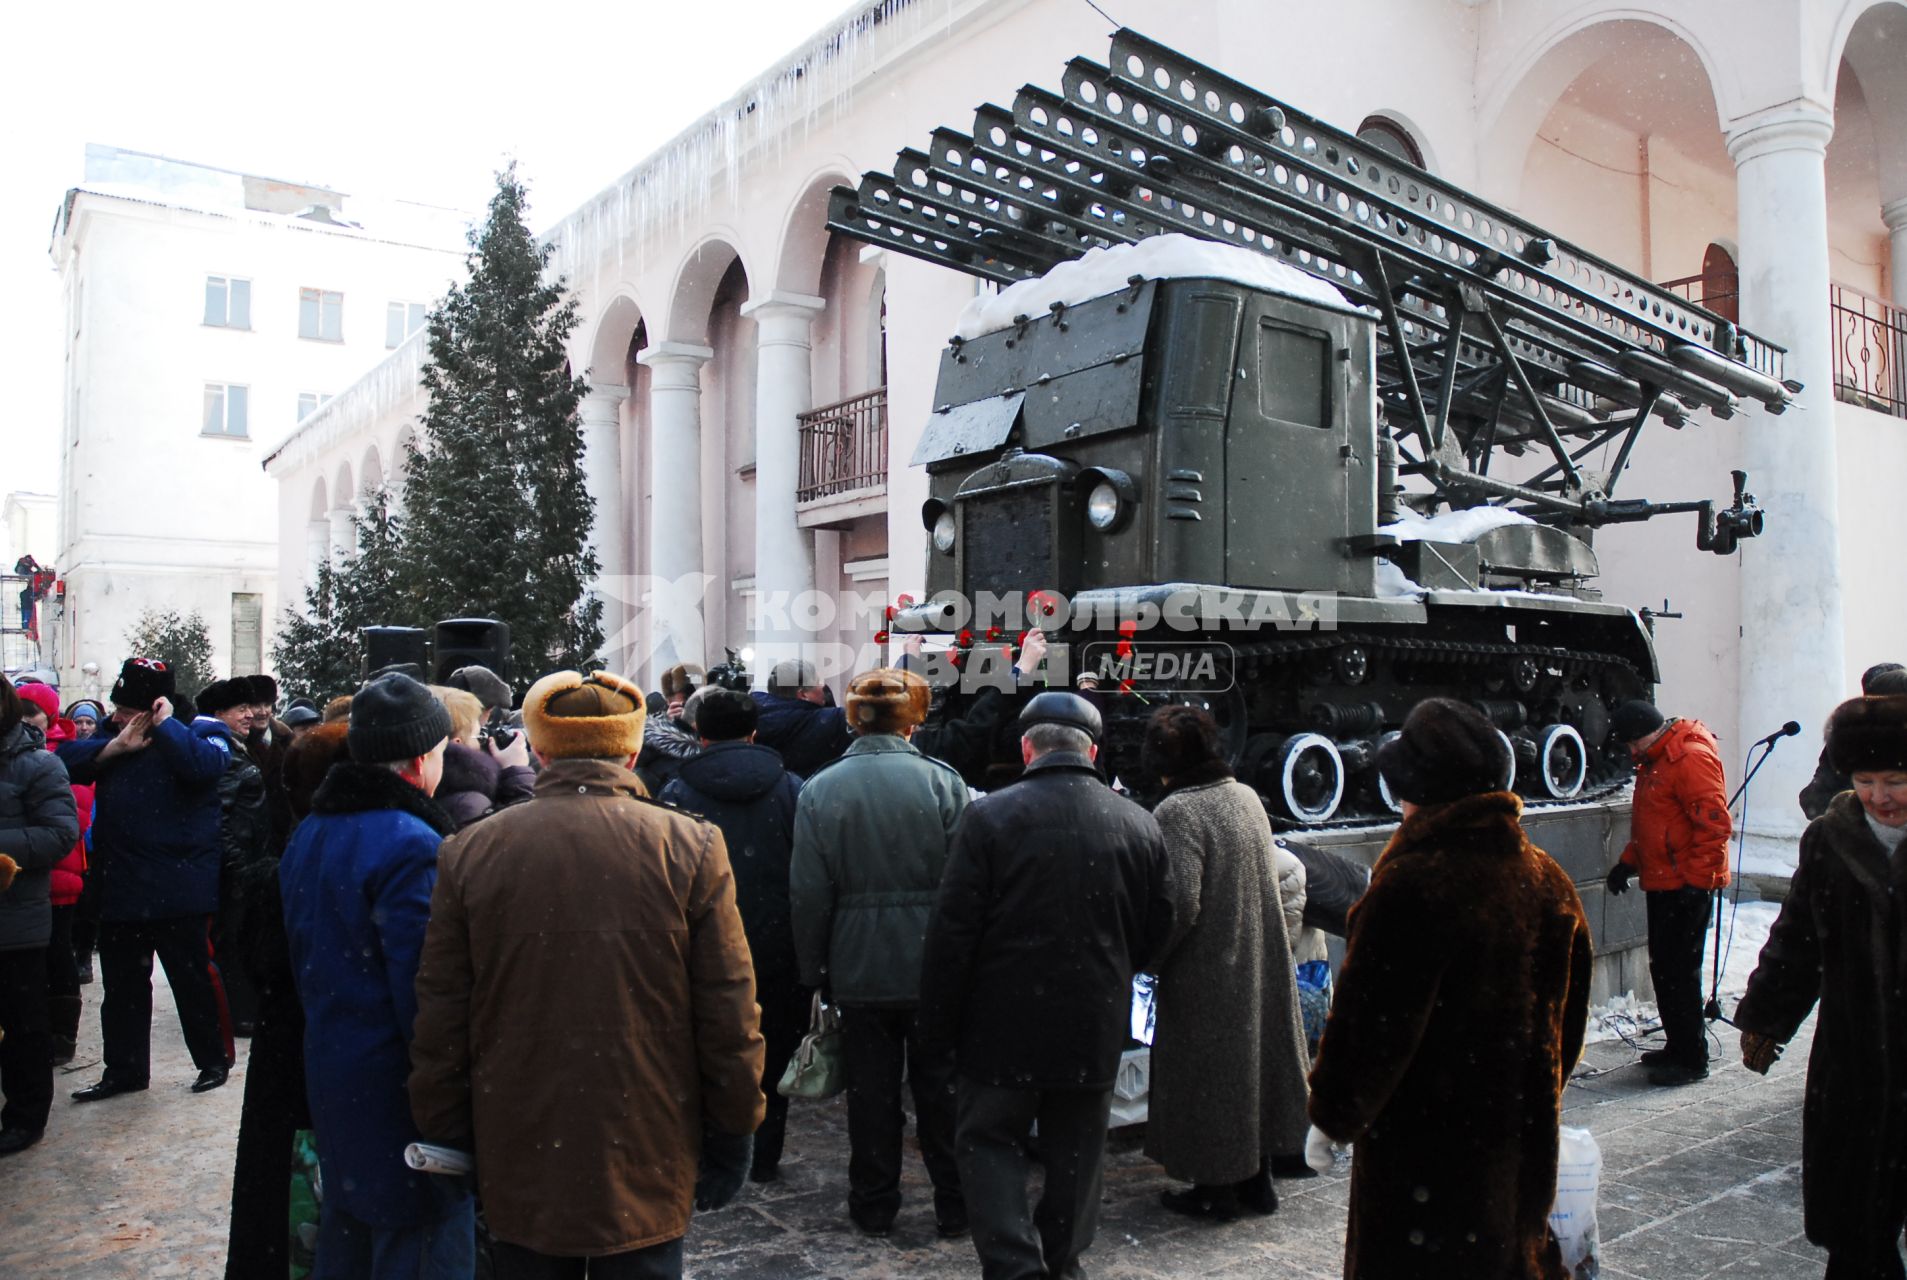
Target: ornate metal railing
843 447
1870 349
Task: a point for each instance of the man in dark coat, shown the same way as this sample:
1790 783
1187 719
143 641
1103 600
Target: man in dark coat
669 739
1878 680
1459 1016
797 721
157 855
356 881
871 835
1055 893
1839 941
226 714
741 787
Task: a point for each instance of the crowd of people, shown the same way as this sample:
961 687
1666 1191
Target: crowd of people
575 941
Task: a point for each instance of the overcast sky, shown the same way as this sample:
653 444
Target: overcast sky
422 101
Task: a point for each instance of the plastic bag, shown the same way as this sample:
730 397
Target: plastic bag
817 1070
1573 1220
1132 1088
1144 1007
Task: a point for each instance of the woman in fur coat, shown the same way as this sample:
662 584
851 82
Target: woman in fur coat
1459 1016
1228 1051
1839 941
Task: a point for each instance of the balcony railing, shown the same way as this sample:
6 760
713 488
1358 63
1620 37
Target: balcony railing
1870 341
844 447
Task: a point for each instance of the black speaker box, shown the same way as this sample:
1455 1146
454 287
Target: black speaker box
471 642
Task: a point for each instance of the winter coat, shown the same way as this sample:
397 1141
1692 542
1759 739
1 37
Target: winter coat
244 819
1291 890
584 1006
1332 886
156 844
1228 1048
742 788
871 835
1679 828
806 735
356 880
475 783
68 879
1459 1015
1826 783
1055 893
666 743
982 742
1841 939
39 824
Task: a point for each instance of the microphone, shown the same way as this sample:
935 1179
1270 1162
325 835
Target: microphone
1787 730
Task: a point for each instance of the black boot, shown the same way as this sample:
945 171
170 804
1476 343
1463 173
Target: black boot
1219 1203
1256 1192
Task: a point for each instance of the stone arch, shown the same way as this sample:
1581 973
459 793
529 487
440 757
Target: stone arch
1843 47
371 470
1408 126
610 338
1869 44
692 295
320 505
343 491
1537 75
805 234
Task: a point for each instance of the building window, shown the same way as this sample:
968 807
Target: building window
228 302
225 407
321 315
248 633
1391 138
401 320
308 402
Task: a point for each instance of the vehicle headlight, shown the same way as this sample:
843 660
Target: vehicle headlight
1102 506
944 533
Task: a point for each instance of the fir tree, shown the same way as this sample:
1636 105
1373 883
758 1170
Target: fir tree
181 641
498 514
319 654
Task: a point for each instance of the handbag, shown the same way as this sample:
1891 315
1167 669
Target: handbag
817 1070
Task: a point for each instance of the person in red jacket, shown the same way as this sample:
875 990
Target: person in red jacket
1678 840
62 966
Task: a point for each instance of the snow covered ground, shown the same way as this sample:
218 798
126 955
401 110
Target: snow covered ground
1744 930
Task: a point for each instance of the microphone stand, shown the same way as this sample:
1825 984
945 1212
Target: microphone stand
1712 1011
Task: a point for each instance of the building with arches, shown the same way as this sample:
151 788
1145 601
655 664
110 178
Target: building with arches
758 385
206 313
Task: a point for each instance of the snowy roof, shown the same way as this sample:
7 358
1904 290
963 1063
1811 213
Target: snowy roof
1166 257
1462 525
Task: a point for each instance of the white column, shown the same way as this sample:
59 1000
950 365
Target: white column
601 413
784 390
1894 214
344 533
317 550
675 516
1792 647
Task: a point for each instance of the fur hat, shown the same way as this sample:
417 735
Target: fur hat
260 691
395 718
223 695
142 682
1635 719
1446 751
681 680
886 700
309 758
1876 684
598 717
1869 735
486 684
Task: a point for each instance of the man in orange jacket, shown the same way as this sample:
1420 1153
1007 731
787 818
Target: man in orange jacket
1678 839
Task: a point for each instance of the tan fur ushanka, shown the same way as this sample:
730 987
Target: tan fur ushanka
1459 1015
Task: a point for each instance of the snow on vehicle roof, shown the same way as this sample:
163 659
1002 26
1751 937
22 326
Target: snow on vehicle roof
1104 271
1461 525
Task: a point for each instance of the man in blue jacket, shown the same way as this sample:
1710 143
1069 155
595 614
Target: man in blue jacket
356 880
156 853
797 721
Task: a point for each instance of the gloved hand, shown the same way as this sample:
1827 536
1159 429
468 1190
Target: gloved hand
1320 1151
1758 1052
725 1161
1619 877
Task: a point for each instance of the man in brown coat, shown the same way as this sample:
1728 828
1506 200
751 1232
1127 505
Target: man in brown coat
586 1018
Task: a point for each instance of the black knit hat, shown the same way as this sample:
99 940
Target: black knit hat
1869 735
223 695
395 718
142 682
1446 751
1634 719
260 691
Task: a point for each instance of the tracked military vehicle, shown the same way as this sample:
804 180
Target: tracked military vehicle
1339 438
